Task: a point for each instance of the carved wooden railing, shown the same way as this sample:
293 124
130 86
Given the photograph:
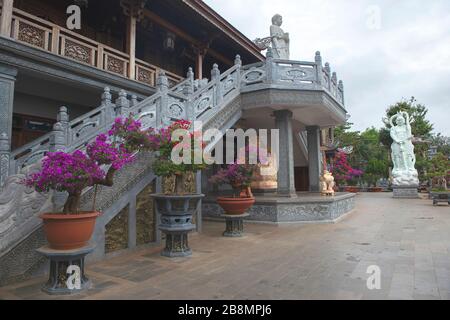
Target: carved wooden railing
50 37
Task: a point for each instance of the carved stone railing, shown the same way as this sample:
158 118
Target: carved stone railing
294 75
42 34
190 99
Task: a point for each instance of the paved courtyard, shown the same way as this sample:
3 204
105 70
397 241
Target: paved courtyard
408 239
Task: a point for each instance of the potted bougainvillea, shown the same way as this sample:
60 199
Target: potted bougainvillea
177 206
239 177
74 172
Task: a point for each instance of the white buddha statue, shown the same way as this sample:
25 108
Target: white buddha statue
280 39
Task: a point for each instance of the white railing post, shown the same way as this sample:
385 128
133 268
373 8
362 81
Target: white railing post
328 74
319 68
270 68
122 104
238 63
334 90
134 100
5 156
188 91
215 77
108 106
341 89
58 138
162 85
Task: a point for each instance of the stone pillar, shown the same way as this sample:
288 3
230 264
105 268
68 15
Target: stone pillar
7 81
122 104
286 178
6 18
162 85
314 156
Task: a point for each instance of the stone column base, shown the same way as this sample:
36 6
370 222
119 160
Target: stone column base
406 192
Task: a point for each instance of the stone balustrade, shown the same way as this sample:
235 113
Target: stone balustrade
191 100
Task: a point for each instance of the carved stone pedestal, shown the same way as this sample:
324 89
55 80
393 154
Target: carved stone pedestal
234 225
67 275
176 222
406 192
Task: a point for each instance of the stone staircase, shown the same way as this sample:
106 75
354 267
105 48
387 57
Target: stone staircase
217 103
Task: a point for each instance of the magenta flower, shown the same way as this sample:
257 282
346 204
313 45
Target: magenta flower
66 172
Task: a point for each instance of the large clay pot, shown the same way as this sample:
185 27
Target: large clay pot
235 206
69 232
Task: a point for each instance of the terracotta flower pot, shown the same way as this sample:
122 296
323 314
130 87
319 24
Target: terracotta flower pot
235 206
69 232
352 189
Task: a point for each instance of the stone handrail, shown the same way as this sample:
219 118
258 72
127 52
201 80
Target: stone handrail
294 75
190 99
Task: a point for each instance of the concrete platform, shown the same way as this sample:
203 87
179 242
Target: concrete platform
407 239
305 208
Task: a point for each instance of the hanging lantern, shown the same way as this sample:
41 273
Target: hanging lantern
169 42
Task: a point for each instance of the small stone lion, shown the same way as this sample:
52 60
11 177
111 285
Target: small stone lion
327 183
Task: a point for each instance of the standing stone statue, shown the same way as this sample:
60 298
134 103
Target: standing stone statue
280 39
404 174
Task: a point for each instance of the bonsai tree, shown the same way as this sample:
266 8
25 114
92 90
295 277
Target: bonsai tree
238 176
176 140
439 172
74 172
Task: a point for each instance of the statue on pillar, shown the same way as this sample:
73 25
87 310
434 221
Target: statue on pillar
280 39
403 157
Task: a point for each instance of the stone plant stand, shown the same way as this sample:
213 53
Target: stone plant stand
406 192
60 261
176 221
234 225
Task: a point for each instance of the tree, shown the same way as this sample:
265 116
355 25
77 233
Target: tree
442 143
368 153
420 126
439 171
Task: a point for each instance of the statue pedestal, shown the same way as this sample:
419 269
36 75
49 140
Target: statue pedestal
406 192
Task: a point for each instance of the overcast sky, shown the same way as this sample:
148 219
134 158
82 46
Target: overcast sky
383 50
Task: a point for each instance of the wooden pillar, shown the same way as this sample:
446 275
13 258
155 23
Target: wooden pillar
199 60
6 18
199 66
133 9
131 44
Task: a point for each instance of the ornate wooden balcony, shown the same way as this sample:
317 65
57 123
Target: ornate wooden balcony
42 34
